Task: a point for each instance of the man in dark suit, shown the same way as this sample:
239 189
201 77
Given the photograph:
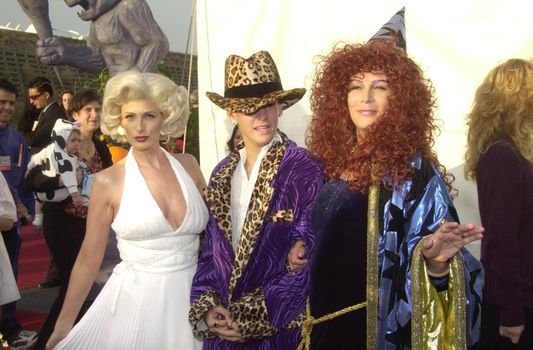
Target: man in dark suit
29 116
41 95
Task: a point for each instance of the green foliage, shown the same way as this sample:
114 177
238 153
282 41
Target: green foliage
163 70
193 135
98 84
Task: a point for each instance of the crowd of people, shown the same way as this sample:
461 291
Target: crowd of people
350 243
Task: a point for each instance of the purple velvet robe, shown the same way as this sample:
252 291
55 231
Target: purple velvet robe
253 283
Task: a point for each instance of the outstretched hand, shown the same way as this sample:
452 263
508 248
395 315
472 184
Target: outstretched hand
442 245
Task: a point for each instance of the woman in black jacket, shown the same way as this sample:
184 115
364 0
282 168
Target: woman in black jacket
63 222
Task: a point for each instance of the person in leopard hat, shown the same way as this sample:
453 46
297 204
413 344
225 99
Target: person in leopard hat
250 289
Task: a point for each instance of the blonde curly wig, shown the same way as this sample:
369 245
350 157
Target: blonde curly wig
172 100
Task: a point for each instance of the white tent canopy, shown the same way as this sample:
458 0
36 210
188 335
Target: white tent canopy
455 42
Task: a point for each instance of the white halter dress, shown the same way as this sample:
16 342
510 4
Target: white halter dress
145 303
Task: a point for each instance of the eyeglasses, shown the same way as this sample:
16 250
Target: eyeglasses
34 97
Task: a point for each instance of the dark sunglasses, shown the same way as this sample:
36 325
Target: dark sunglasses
34 97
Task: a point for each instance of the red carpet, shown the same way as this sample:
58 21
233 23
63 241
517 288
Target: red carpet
33 264
29 320
33 260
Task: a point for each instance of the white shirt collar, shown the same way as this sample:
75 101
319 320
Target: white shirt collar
46 108
242 188
264 150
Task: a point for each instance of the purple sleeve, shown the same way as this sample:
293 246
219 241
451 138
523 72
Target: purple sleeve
499 185
286 295
281 300
205 277
203 290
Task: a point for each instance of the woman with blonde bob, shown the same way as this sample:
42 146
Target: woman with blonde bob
500 159
153 202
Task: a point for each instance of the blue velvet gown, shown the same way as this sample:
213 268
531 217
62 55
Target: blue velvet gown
339 219
339 268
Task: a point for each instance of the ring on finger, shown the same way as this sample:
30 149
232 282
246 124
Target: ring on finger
290 270
441 224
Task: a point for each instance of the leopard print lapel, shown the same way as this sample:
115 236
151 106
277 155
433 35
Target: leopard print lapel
218 195
257 210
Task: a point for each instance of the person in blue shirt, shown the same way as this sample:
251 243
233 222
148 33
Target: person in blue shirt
14 157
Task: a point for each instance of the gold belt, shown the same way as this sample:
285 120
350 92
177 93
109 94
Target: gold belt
310 321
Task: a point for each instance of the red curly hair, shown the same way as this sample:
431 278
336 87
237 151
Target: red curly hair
404 130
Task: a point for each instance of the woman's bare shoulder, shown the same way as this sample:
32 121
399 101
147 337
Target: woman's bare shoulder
187 160
192 167
109 180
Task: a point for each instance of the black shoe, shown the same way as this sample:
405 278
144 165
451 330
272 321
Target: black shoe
23 220
49 284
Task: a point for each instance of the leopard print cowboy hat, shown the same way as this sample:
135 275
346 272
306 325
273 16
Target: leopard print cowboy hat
252 84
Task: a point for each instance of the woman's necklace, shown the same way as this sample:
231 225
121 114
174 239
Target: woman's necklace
87 150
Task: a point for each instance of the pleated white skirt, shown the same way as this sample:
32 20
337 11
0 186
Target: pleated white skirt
138 310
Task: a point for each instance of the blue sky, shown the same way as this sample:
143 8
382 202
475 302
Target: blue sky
172 16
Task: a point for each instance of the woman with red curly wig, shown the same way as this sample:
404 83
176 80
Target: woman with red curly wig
388 269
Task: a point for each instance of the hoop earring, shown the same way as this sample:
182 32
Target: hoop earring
121 131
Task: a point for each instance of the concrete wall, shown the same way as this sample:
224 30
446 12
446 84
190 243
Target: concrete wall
19 64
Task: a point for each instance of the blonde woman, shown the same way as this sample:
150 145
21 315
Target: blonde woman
500 159
152 201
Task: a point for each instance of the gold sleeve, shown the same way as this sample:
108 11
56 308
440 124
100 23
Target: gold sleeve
439 318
